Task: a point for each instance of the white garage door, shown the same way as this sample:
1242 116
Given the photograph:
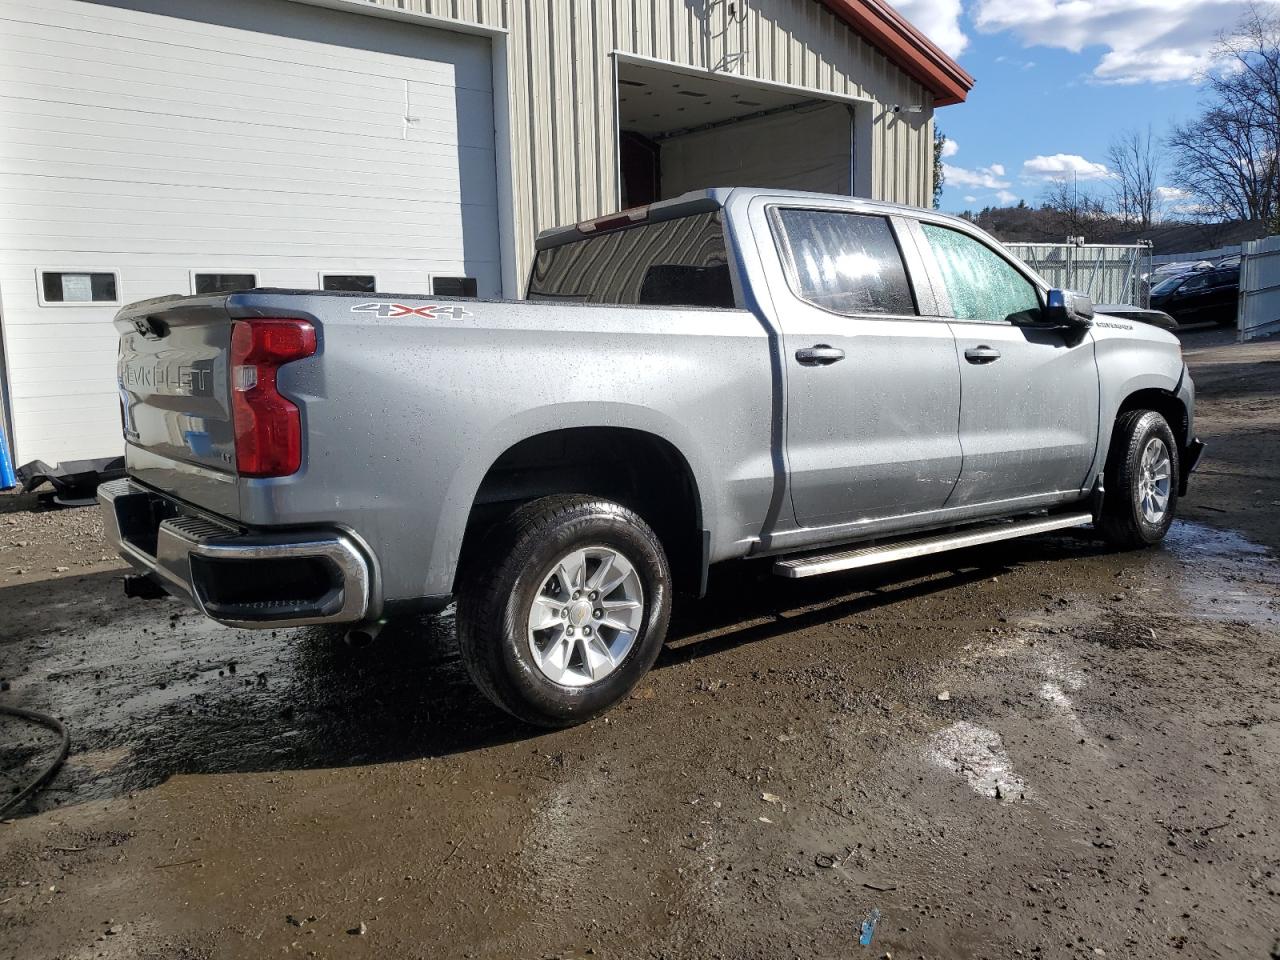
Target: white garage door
160 146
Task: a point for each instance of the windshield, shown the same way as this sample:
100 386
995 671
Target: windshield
1168 286
681 262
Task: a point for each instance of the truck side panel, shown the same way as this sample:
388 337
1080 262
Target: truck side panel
404 415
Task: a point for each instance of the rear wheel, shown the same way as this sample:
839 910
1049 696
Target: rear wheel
565 609
1141 481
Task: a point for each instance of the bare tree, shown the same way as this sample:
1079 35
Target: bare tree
1228 158
1075 211
1135 162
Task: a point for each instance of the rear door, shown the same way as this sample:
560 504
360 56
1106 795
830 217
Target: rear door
1224 291
1194 299
1029 408
873 388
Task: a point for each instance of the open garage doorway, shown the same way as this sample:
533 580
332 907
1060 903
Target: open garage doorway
681 132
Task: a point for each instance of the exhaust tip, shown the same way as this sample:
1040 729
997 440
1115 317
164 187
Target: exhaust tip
364 634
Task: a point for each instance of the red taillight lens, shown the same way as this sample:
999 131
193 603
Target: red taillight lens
268 426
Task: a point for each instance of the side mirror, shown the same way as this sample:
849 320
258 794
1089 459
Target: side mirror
1067 309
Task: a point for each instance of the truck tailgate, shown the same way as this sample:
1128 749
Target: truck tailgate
175 398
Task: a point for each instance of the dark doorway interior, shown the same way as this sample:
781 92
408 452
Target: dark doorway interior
640 159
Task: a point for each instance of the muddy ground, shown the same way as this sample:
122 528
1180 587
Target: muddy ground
1038 749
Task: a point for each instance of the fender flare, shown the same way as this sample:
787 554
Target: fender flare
446 548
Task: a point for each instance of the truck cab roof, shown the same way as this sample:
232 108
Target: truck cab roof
698 201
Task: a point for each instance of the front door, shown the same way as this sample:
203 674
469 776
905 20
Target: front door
1029 413
873 389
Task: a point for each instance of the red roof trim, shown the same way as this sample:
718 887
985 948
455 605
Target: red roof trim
905 46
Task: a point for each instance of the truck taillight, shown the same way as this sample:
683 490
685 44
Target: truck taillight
268 426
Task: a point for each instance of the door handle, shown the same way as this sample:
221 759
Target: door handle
982 354
819 355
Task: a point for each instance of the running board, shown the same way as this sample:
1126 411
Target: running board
816 565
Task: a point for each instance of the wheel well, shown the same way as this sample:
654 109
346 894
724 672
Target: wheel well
636 469
1164 403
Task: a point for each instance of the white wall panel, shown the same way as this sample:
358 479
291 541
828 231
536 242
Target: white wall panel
803 149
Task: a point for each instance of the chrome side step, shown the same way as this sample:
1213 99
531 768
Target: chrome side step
816 565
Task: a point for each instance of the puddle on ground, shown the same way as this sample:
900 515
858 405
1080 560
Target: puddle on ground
1188 538
161 690
978 755
1220 567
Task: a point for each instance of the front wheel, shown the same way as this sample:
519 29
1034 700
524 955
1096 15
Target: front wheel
1141 481
565 609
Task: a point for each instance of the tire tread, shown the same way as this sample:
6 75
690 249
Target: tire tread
482 602
1119 523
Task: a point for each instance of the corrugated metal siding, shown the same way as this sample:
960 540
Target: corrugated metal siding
563 137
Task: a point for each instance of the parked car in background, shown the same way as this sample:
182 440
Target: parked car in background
1167 270
1200 296
825 381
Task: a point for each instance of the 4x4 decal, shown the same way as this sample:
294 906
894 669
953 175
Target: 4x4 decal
432 311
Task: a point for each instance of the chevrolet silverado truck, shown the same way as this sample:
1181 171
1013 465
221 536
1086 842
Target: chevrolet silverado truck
823 381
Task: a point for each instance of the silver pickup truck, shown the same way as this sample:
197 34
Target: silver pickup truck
825 381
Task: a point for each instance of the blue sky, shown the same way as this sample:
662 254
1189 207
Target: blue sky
1057 80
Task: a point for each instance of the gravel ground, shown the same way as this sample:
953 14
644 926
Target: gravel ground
1036 749
38 542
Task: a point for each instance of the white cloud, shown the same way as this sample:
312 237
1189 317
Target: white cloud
950 148
970 199
1005 197
987 178
1146 41
1062 166
1014 62
1175 202
939 20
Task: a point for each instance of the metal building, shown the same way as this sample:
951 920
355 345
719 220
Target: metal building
151 147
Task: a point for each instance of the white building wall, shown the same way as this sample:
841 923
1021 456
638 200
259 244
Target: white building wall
563 134
258 136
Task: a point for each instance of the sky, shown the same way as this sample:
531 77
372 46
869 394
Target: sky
1057 80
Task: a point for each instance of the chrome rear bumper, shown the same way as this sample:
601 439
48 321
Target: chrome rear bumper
238 577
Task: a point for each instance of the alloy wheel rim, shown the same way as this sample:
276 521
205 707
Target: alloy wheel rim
1155 480
585 616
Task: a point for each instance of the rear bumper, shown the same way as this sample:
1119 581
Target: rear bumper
239 577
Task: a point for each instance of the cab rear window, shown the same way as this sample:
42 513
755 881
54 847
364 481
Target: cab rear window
680 262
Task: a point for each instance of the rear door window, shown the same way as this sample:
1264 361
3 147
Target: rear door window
983 286
847 263
680 262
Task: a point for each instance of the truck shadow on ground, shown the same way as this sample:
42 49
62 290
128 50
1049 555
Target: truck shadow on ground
150 690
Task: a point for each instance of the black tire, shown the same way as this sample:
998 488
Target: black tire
1124 523
510 569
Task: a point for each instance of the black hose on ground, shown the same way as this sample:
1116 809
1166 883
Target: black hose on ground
45 775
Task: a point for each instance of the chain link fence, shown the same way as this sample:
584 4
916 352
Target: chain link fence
1105 272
